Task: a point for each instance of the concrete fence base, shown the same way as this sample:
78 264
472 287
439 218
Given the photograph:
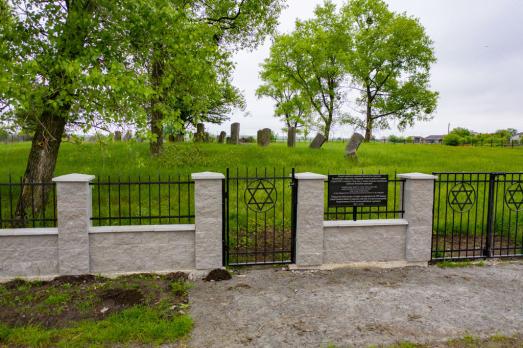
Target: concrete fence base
76 247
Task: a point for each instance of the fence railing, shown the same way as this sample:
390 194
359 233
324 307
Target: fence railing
477 215
393 209
39 209
140 201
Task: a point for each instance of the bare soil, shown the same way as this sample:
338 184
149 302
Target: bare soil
358 307
67 299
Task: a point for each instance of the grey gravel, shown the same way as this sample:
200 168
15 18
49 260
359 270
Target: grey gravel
357 307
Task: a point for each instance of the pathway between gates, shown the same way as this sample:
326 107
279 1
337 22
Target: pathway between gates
358 307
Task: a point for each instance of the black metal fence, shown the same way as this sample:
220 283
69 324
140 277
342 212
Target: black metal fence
259 217
143 201
477 215
40 207
393 209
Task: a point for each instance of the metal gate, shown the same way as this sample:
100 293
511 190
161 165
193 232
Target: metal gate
259 208
477 215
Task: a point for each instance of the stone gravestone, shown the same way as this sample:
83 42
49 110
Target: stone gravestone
258 137
200 133
291 137
117 136
264 137
353 145
318 141
235 133
221 137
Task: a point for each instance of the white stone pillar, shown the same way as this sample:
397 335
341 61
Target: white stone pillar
74 208
208 203
418 201
309 219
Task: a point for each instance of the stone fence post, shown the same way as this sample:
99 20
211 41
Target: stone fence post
309 219
74 206
418 201
208 203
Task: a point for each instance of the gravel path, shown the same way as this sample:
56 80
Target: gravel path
357 307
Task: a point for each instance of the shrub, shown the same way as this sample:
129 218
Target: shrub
452 140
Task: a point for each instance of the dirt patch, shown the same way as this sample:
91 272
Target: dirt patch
217 275
358 307
177 276
68 299
122 297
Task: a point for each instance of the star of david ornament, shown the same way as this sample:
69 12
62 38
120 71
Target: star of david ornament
462 197
514 197
260 195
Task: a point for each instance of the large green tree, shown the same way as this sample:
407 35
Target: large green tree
389 63
188 60
312 60
77 62
64 63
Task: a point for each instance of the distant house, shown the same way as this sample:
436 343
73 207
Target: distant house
417 139
517 137
434 139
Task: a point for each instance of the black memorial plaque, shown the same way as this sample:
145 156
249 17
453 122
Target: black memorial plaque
358 190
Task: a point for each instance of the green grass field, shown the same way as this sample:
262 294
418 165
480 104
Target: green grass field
133 159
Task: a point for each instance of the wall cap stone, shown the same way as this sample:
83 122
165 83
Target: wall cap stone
310 176
142 228
365 223
207 176
10 232
74 178
417 176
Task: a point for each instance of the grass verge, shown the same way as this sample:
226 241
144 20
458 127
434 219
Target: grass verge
94 311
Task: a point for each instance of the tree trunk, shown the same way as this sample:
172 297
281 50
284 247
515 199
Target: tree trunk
156 117
40 167
368 121
327 128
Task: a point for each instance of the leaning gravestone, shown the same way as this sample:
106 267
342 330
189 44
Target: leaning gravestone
117 136
353 145
291 137
235 133
318 141
221 138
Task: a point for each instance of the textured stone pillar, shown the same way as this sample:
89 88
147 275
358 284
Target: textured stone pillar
74 207
309 219
418 201
208 190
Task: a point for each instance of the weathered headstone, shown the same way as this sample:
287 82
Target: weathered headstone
353 145
291 137
264 137
318 141
235 133
199 136
117 136
221 137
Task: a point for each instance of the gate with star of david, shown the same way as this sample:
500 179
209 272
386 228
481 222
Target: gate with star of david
477 215
259 222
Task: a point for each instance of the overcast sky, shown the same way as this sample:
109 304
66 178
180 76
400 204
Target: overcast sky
479 73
